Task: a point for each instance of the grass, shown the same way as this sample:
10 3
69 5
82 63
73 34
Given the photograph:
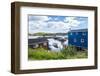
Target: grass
44 54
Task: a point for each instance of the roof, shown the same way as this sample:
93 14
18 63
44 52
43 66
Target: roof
60 39
37 40
79 30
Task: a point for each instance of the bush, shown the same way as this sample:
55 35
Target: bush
69 51
43 54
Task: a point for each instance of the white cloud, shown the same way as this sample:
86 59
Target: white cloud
72 22
38 18
56 19
58 25
34 24
47 26
37 23
41 23
49 18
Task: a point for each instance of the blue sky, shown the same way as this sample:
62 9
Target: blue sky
56 24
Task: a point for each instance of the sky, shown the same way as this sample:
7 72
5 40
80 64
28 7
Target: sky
56 24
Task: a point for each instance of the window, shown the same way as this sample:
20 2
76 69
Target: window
75 40
83 33
76 33
71 33
82 40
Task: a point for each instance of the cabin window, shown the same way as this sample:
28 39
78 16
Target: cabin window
75 40
83 34
76 33
71 33
82 40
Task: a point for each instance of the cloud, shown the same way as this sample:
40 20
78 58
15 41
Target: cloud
47 24
56 19
71 21
36 23
38 18
57 25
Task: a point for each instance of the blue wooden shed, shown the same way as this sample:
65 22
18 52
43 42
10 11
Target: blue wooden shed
78 38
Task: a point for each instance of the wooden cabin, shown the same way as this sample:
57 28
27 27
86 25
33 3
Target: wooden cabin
78 38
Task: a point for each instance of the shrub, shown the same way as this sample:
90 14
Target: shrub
69 51
42 54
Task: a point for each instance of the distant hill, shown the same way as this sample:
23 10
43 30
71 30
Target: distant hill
46 34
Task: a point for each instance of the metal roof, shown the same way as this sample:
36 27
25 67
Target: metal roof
79 30
37 40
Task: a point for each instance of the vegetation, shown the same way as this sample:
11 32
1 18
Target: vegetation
40 34
46 34
70 52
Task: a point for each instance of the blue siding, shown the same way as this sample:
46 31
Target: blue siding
79 39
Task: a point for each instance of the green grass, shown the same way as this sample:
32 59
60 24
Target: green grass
43 54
